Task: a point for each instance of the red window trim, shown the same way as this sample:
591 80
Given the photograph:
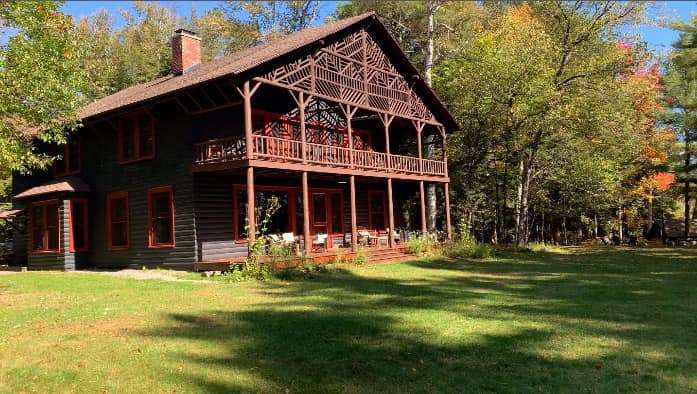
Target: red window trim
44 232
292 208
85 225
66 159
136 137
371 193
288 120
154 190
116 196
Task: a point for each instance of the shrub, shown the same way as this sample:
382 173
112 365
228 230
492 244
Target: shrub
467 246
361 257
420 244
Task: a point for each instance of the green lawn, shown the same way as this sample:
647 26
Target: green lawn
592 320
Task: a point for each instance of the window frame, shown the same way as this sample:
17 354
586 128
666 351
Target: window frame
133 118
173 219
66 158
44 233
85 225
109 198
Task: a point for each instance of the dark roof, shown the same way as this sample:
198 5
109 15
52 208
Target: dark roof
250 58
70 184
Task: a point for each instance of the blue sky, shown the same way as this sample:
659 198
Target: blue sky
658 38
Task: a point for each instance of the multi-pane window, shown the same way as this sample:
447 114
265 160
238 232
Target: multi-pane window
78 225
44 226
69 160
136 138
161 217
119 235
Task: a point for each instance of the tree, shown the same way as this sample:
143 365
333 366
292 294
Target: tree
681 88
40 82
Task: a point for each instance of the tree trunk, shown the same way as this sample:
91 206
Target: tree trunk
542 228
595 228
563 227
686 192
619 220
523 193
431 206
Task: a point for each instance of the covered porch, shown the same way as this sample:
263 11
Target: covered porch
319 215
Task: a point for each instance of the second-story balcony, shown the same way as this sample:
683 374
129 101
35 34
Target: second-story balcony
284 150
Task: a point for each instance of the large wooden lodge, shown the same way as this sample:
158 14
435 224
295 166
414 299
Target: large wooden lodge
332 121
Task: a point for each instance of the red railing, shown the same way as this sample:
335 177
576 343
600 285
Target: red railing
221 149
370 160
277 148
328 155
288 150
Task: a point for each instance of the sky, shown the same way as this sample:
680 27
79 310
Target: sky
658 38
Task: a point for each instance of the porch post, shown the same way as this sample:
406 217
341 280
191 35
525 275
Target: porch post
251 216
348 114
301 110
306 214
448 226
354 231
247 97
386 121
423 207
390 212
419 128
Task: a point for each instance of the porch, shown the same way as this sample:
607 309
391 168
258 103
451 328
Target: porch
338 215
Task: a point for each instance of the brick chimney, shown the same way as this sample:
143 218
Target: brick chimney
186 51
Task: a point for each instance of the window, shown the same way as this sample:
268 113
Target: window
136 138
283 220
118 231
78 225
69 162
160 217
44 226
376 210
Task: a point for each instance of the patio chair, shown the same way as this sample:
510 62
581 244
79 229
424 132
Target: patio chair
364 237
289 239
320 242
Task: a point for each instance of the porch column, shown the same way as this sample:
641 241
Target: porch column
247 97
448 226
423 207
390 212
419 128
251 216
301 109
386 121
354 231
306 214
349 111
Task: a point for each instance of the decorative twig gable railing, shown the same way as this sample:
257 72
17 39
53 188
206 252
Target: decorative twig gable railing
354 71
290 151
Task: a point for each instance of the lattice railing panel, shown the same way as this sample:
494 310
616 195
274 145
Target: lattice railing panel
356 71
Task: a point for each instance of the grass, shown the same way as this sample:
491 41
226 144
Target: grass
593 319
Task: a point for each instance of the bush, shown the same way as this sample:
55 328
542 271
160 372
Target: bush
361 258
466 246
420 244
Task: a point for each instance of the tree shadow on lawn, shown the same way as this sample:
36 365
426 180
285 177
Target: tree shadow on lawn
347 333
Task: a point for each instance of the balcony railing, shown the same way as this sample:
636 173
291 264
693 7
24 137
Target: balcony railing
288 150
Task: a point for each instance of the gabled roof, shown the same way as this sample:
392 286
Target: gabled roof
250 58
70 184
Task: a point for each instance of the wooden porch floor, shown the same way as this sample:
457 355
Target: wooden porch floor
375 254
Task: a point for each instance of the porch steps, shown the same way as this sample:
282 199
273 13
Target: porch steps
388 255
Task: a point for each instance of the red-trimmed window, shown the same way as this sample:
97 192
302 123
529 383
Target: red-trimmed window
161 217
78 225
44 224
69 161
118 218
136 138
